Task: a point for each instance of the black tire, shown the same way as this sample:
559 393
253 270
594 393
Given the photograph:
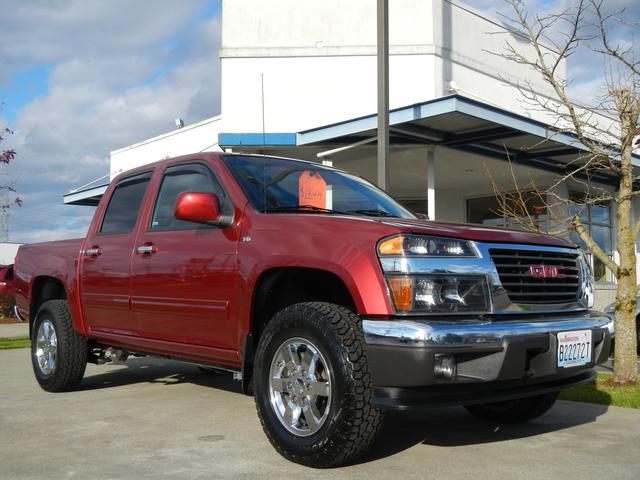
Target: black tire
71 349
352 422
514 411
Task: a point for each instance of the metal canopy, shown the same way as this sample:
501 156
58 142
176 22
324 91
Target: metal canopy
471 126
88 196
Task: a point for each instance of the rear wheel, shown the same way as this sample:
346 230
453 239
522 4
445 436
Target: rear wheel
58 353
312 385
514 411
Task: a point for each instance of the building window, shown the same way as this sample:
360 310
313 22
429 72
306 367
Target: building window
596 219
415 205
488 211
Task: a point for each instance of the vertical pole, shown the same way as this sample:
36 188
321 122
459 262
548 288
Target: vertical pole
383 92
431 183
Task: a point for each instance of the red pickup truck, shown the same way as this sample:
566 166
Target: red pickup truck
324 296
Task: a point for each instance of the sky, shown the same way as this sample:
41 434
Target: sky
79 78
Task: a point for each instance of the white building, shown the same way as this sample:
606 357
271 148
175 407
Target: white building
8 253
298 79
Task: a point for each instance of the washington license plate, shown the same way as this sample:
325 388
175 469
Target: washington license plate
574 348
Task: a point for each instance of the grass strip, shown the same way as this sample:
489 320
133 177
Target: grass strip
603 392
9 343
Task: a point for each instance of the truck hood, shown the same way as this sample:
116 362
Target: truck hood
478 233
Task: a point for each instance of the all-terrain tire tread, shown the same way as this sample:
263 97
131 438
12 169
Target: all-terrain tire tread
72 349
362 421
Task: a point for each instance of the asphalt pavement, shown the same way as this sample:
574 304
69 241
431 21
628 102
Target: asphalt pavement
153 418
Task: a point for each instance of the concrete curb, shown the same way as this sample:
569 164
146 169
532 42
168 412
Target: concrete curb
608 367
14 330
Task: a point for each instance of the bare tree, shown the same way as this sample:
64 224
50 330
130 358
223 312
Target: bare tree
604 132
8 187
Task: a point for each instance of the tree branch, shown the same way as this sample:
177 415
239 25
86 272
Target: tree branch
593 247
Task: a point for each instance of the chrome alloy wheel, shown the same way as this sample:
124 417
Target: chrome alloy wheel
300 386
46 347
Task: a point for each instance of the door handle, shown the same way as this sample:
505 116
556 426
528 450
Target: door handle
92 252
146 250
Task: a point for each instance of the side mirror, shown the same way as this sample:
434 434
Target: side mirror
199 208
422 216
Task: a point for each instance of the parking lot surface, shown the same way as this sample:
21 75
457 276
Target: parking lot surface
153 418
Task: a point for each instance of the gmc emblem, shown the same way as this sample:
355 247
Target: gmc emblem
546 271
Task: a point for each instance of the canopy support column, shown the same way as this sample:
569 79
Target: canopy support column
383 92
431 182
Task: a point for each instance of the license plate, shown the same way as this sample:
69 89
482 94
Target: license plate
574 348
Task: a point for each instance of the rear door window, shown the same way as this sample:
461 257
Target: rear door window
122 212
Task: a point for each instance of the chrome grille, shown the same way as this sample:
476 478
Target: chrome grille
514 269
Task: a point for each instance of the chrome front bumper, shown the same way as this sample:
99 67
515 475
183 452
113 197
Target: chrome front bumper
429 333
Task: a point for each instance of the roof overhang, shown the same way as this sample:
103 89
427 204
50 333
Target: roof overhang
257 139
88 196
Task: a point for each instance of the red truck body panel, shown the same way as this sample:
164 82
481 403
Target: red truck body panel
56 260
478 233
193 297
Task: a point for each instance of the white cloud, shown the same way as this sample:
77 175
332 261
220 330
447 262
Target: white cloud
46 32
121 72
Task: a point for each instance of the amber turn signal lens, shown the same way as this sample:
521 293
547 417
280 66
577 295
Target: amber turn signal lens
401 292
392 246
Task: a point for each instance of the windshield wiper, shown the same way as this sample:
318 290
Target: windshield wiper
303 209
372 213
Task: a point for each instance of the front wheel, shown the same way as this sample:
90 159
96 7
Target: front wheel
58 353
514 411
312 385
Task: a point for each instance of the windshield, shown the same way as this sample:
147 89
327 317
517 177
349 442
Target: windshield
276 185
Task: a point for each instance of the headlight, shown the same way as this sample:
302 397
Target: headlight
423 246
588 291
439 293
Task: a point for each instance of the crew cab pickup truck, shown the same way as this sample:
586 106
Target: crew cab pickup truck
323 295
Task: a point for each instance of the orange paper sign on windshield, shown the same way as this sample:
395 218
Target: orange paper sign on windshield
312 190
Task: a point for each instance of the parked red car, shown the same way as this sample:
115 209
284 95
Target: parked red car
7 290
318 289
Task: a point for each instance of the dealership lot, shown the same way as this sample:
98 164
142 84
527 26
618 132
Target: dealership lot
153 418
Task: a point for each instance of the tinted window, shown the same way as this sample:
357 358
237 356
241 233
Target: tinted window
122 211
177 180
279 185
9 275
